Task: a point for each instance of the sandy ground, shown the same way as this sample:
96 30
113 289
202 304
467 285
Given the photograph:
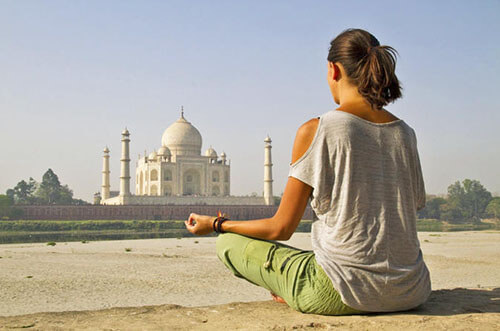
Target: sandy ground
185 272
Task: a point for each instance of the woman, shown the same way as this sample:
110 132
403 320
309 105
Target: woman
359 164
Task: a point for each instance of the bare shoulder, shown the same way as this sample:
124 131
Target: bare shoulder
304 137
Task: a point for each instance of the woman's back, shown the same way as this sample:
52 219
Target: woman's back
367 185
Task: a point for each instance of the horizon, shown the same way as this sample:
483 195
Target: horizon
76 73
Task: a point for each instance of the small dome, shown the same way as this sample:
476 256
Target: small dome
106 150
223 155
125 132
268 139
211 152
152 156
164 151
182 138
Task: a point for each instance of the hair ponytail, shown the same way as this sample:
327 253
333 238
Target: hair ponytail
368 65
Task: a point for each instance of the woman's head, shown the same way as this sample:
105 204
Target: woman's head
368 65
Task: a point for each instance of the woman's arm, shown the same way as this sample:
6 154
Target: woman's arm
293 203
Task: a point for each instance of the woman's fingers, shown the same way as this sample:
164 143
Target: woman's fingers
192 219
190 223
199 224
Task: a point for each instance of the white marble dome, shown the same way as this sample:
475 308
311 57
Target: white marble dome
211 152
182 138
163 151
152 156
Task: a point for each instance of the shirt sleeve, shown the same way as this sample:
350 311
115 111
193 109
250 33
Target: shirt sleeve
312 169
420 185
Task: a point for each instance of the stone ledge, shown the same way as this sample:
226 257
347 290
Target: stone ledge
457 309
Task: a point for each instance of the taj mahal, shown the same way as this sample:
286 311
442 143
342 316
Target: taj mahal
178 174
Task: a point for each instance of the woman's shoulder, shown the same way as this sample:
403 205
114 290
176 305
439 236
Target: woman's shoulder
304 138
309 128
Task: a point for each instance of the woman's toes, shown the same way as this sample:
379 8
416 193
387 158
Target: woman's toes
277 298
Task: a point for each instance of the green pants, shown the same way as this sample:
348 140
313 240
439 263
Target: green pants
288 272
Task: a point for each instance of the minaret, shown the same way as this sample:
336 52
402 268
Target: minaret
125 165
105 175
268 173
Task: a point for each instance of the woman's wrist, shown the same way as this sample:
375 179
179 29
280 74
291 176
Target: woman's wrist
214 224
217 224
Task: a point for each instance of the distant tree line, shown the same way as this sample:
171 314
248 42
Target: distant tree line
49 191
466 202
7 211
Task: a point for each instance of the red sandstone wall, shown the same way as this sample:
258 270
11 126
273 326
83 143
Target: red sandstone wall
146 212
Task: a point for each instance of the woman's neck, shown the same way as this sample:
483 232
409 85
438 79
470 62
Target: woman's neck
357 105
349 97
352 102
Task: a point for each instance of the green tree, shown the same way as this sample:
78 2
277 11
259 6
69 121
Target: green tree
466 201
50 191
7 210
80 202
432 208
493 208
22 193
452 211
65 195
5 204
477 197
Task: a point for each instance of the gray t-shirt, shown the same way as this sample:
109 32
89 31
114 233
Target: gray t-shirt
367 185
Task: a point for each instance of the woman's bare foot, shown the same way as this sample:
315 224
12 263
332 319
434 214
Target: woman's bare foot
277 298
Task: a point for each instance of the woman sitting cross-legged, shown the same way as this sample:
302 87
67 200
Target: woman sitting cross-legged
360 167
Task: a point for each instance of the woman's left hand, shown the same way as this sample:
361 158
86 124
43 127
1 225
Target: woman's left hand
199 224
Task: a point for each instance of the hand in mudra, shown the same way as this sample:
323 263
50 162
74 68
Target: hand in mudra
199 224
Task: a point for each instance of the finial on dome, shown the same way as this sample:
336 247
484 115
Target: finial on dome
182 111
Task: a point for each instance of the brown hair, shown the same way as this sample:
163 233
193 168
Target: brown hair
368 65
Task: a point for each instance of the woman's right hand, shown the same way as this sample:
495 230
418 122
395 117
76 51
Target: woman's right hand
200 224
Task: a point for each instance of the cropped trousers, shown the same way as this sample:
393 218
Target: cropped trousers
288 272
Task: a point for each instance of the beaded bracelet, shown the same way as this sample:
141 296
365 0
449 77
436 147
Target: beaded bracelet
214 226
217 224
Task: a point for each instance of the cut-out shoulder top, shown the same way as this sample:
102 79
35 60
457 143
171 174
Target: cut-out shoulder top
367 185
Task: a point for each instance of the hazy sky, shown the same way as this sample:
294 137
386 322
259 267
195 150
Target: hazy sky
73 74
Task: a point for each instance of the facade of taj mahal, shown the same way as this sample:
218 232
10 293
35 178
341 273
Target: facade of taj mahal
178 174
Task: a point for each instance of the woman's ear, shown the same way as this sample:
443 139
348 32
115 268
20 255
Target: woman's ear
335 71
